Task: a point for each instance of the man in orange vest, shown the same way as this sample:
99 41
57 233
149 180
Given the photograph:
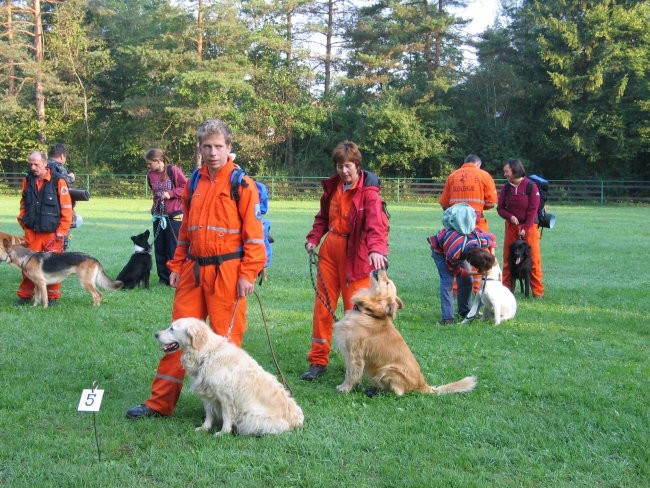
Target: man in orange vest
219 255
472 185
46 226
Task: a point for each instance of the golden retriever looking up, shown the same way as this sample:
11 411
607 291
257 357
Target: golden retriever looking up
233 386
370 342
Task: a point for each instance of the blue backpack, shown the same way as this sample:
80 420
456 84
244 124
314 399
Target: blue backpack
237 180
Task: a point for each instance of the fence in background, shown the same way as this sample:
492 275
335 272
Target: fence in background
393 189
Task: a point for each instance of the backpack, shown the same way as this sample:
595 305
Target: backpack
543 219
237 180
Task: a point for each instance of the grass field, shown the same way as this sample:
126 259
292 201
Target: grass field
562 398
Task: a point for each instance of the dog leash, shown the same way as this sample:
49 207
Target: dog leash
313 261
268 337
476 306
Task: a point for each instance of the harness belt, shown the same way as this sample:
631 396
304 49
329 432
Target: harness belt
212 260
338 233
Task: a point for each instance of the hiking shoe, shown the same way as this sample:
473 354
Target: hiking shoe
22 302
447 322
141 411
314 371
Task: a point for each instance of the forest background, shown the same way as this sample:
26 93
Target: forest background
562 85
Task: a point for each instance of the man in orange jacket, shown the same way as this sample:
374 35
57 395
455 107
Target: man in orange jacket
45 216
220 252
472 185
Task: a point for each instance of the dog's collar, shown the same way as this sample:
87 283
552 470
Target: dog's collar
365 311
141 250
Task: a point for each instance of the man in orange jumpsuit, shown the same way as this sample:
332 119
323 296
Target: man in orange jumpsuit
472 185
220 252
45 216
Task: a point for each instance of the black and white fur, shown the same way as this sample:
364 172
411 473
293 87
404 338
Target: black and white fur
138 269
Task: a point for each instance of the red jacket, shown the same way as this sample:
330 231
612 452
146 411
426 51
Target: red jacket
368 224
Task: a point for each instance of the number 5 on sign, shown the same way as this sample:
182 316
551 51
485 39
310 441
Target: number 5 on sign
90 400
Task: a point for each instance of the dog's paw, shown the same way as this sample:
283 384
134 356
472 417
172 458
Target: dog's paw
202 428
343 388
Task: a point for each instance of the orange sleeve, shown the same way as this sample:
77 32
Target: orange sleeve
444 198
183 243
489 190
252 231
65 201
21 212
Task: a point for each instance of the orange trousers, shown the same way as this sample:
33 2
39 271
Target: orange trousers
215 298
39 241
330 283
533 239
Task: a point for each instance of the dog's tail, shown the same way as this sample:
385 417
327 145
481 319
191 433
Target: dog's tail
105 282
466 384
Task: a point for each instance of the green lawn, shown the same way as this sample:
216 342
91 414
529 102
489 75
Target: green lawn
562 398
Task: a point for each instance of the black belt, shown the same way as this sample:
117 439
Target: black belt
212 260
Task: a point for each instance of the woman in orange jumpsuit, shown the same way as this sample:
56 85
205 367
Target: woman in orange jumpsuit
220 252
353 220
519 210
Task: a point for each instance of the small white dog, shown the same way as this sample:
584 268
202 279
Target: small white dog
498 300
233 386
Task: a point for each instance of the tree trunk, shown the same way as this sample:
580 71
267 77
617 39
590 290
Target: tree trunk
38 85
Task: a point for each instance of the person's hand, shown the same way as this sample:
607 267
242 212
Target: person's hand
173 279
166 195
377 261
244 287
514 220
310 247
522 232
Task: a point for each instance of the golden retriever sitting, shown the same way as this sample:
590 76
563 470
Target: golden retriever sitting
370 342
233 386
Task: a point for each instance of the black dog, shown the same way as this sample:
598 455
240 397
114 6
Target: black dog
520 265
137 270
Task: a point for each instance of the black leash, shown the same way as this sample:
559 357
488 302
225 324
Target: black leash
313 261
268 337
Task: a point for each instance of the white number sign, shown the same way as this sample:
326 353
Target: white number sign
90 400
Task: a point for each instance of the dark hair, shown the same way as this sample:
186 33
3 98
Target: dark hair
57 150
347 151
156 153
472 158
481 259
516 167
214 126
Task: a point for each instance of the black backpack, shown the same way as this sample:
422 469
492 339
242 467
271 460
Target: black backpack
543 219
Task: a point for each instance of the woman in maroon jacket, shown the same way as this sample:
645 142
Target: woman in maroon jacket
354 222
519 208
167 183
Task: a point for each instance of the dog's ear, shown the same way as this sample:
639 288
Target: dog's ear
198 335
6 243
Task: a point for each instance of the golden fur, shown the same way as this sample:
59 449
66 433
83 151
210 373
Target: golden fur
370 343
234 388
46 268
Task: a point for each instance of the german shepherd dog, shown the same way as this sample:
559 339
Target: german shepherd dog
46 268
520 266
138 269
